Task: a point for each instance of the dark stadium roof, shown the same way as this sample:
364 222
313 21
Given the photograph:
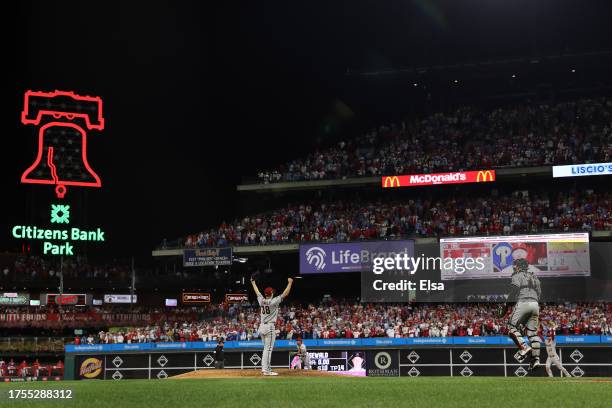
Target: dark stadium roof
198 95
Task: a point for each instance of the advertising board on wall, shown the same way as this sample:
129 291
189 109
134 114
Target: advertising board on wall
349 257
548 255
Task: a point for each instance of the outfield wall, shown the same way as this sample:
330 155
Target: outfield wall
452 356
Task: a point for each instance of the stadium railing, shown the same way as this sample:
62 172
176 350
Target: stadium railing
353 343
177 249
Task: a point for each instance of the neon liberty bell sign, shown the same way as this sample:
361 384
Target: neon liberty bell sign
63 120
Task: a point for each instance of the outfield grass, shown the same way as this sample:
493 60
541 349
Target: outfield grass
327 392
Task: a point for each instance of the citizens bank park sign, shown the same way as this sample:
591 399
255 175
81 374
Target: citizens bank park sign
63 122
457 177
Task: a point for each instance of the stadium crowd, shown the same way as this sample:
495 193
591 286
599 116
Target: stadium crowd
52 317
579 131
32 267
354 320
501 214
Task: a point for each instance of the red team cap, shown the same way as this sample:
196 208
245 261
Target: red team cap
268 291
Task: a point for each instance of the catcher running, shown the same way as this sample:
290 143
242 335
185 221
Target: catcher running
525 293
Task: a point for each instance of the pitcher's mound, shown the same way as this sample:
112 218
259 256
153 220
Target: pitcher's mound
238 373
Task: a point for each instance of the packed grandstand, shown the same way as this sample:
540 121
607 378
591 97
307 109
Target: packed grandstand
531 134
528 134
516 212
327 319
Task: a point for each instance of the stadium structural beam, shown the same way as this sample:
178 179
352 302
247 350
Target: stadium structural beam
501 175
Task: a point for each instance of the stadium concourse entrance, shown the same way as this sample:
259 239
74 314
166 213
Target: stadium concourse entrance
584 360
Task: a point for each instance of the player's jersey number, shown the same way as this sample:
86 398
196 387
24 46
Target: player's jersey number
265 309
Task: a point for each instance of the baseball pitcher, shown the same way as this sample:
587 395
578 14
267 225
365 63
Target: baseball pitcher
525 293
553 357
268 314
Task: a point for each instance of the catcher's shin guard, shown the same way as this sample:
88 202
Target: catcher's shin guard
534 341
516 337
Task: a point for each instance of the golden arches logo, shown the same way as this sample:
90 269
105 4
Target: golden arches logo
484 176
391 181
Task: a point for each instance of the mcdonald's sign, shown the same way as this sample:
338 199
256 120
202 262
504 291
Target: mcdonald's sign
457 177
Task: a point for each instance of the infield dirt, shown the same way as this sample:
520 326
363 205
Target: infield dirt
241 373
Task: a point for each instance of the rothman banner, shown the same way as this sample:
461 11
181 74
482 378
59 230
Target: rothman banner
349 257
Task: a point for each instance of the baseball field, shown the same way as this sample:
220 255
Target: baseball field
320 392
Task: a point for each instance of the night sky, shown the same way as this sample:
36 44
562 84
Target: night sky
197 95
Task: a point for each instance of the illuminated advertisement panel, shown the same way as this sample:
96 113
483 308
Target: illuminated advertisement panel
549 255
457 177
195 298
66 299
114 298
578 170
236 297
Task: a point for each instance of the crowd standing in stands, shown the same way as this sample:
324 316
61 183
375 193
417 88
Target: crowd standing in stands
328 319
355 320
502 214
51 317
32 267
530 134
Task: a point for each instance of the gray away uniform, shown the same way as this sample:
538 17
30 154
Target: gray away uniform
268 315
527 310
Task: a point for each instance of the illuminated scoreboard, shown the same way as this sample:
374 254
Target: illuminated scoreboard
349 362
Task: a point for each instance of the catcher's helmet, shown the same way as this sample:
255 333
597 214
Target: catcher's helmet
520 265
